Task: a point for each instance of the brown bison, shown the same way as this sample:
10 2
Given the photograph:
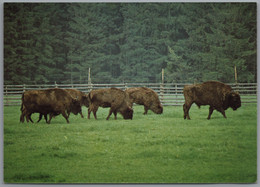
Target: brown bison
53 101
114 98
80 96
147 97
217 95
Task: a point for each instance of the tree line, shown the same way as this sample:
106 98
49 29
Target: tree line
129 42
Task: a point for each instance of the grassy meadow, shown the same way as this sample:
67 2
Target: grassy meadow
148 149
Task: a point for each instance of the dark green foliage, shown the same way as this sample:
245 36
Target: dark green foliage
128 42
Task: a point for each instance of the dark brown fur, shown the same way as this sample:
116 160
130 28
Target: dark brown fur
217 95
114 98
147 97
50 101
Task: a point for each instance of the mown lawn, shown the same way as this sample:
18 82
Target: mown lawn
148 149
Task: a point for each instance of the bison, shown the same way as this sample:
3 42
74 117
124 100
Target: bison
114 98
82 97
217 95
53 101
147 97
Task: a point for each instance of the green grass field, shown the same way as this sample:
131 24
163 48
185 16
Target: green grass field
148 149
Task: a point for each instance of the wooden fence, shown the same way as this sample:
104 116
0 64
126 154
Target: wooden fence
169 93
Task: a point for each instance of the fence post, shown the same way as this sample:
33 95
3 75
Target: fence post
56 85
161 91
161 86
125 86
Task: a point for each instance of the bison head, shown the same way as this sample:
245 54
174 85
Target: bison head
234 100
157 108
85 100
128 113
75 106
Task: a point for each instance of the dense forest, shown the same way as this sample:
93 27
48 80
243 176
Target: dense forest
129 42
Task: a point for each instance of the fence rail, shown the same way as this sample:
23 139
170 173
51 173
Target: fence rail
169 93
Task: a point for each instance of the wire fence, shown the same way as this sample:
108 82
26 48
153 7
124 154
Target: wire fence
169 93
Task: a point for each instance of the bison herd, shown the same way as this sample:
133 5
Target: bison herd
55 101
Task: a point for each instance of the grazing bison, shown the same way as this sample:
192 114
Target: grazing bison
50 101
147 97
81 97
114 98
217 95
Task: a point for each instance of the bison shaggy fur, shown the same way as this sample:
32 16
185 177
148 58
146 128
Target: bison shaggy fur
217 95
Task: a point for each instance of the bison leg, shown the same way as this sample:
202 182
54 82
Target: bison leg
51 115
94 109
95 112
30 118
40 118
109 114
186 108
45 117
22 116
145 109
211 109
115 114
112 110
65 116
223 112
27 118
89 112
81 115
